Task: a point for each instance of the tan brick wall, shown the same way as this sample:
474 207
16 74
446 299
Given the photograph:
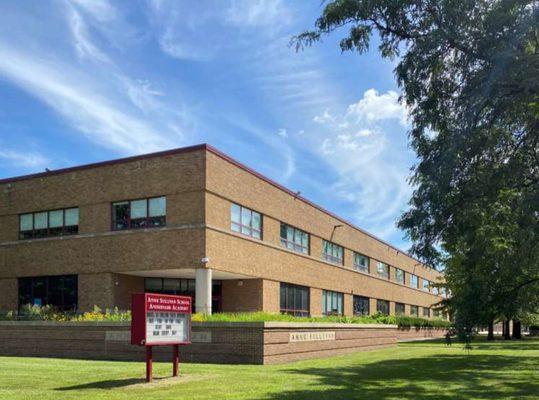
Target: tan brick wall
124 287
271 296
316 302
348 305
96 290
242 295
8 295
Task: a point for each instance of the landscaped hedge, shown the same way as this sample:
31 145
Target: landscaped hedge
46 313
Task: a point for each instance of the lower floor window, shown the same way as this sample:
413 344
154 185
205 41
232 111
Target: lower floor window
399 309
59 291
382 307
361 305
414 310
332 303
183 287
426 312
294 300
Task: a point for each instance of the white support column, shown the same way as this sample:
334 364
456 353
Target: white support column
203 286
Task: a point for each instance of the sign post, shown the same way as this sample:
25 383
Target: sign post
160 320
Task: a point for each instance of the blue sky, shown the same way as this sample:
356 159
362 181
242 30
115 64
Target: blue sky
90 80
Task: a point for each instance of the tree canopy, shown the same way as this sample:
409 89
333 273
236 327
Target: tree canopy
469 74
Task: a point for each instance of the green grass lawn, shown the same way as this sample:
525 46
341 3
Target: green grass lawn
419 370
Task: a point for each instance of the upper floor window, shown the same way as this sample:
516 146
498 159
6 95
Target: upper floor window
382 270
141 213
333 252
426 285
414 310
332 303
294 239
435 290
382 307
399 309
246 221
399 275
361 263
49 223
361 305
414 281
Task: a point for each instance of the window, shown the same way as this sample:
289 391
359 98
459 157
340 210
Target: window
294 239
246 221
142 213
382 270
399 309
332 252
399 275
361 305
361 263
382 307
414 310
426 285
436 313
183 287
426 312
294 300
49 223
414 281
332 303
435 290
443 293
59 291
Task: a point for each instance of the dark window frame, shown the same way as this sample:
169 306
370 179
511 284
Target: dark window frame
403 311
426 312
285 242
385 302
31 282
412 280
416 308
290 300
387 274
403 282
248 227
147 220
366 301
324 302
65 230
329 257
359 267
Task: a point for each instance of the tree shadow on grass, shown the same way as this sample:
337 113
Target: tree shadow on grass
435 377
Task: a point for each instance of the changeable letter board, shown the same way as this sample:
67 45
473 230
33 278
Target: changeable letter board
159 319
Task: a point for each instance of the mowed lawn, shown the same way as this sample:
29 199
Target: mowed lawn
419 370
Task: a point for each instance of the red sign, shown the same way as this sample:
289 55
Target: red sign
160 319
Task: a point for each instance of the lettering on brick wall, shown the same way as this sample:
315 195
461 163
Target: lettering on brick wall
201 337
118 336
311 336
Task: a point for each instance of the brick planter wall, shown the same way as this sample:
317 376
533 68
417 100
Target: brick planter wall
213 342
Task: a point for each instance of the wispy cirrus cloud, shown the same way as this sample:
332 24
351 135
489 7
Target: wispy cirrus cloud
94 94
23 159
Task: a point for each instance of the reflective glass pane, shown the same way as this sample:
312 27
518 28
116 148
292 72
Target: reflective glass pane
235 213
158 207
256 221
138 209
40 220
245 216
56 218
26 222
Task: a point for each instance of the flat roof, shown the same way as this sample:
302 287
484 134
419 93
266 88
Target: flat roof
211 149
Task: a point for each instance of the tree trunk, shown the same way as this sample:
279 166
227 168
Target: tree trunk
490 335
517 334
506 330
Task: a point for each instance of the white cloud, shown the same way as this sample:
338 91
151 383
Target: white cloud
257 13
83 44
19 159
366 156
374 107
282 133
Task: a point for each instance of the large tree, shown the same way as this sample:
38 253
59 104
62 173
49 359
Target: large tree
469 73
